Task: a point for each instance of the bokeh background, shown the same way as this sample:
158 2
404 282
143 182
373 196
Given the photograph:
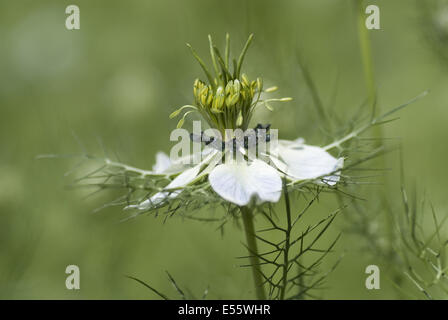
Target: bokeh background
118 78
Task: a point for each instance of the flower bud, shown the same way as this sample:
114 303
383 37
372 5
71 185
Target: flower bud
229 88
218 101
236 86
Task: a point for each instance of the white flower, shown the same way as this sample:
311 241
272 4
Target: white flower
241 181
228 100
304 162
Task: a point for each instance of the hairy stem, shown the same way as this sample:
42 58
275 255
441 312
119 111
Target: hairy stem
249 230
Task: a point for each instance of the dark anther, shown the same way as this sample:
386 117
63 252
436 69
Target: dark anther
263 126
209 140
246 142
268 137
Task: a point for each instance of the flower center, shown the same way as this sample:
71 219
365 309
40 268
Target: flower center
228 99
228 106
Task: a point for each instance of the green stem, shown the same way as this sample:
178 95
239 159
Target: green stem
366 55
287 242
249 229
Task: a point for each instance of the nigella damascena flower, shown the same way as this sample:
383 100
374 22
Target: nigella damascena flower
259 179
228 101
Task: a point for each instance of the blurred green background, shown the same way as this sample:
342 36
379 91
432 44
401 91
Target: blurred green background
119 77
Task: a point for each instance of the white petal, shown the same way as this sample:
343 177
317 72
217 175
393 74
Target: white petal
334 178
162 162
180 181
180 164
184 178
239 182
292 143
302 162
